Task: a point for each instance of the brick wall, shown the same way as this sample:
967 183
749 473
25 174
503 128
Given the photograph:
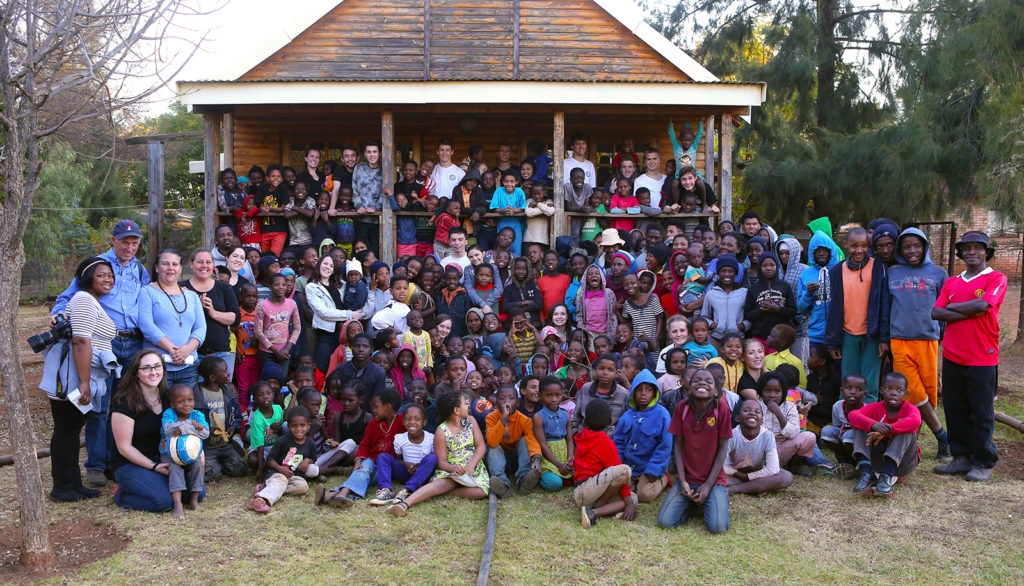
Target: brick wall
1007 243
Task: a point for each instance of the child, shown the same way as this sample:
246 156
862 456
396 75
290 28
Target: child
181 419
781 339
321 226
392 315
529 392
885 438
523 335
444 222
645 314
671 398
732 348
522 294
622 203
677 362
418 340
289 460
510 200
643 440
247 368
538 209
553 285
425 230
345 227
249 231
770 301
453 300
702 432
405 232
420 395
825 382
576 371
484 290
356 292
414 461
592 227
838 436
814 290
752 464
264 425
602 389
602 480
724 304
347 421
216 399
378 439
272 320
699 350
796 447
508 431
679 334
595 305
554 435
299 212
406 369
694 279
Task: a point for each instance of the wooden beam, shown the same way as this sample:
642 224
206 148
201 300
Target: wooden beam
229 139
155 189
709 150
560 226
163 137
426 40
388 240
210 122
515 40
725 193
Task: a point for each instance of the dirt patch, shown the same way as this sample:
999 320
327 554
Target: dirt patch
1011 459
76 544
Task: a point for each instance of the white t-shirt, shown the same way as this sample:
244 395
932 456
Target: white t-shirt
654 185
391 316
462 262
414 453
588 169
445 179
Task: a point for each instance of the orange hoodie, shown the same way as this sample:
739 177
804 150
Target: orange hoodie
519 426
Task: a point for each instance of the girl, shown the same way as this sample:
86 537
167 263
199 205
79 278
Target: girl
577 368
522 293
489 384
538 209
678 334
460 448
732 349
348 424
492 325
595 305
510 200
699 349
752 463
770 300
264 425
677 264
552 429
676 363
617 267
505 376
755 248
382 359
539 365
271 323
592 227
577 266
406 370
475 323
645 314
248 226
782 419
502 260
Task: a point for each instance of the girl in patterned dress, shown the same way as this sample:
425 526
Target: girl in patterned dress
459 445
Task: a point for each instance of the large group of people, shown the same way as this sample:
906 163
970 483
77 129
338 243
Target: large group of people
650 351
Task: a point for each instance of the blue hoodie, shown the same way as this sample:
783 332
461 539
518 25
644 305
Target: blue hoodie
912 294
641 434
816 304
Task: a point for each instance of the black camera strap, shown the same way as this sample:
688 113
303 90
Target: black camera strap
64 369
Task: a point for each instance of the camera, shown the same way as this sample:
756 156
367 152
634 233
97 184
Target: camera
61 329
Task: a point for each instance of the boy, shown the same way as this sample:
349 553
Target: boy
913 288
885 438
538 209
579 161
289 460
838 435
246 347
453 300
216 399
825 383
693 289
781 339
602 389
182 419
416 337
969 304
356 293
643 440
602 480
813 293
444 223
702 429
508 432
394 314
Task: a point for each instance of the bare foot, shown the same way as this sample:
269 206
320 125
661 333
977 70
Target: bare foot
179 512
195 506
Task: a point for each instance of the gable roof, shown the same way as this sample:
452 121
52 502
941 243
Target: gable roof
558 40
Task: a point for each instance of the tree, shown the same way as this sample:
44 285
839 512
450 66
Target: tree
62 62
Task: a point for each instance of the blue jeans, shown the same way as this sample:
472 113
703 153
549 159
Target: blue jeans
390 468
228 357
677 508
361 478
499 464
139 489
97 433
187 375
860 356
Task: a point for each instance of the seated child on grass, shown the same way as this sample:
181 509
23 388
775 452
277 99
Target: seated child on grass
839 435
643 439
602 480
512 447
554 435
419 395
752 464
825 382
264 425
414 460
290 458
885 437
215 398
459 446
182 419
796 448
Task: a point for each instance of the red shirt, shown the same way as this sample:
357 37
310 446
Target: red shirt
595 451
973 341
908 420
444 224
380 438
700 439
552 291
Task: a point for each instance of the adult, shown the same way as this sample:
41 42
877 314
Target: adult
446 174
361 368
225 242
323 293
579 160
238 268
368 190
505 166
171 318
653 179
690 182
457 255
311 174
135 416
577 198
122 305
626 170
220 307
90 363
342 174
750 223
753 368
969 304
230 196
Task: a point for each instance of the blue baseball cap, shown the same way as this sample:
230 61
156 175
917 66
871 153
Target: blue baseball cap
126 228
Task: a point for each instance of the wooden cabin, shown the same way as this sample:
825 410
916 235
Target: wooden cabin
409 72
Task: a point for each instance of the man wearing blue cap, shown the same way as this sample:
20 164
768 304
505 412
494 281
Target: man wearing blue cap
121 304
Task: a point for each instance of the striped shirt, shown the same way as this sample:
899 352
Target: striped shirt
88 320
644 317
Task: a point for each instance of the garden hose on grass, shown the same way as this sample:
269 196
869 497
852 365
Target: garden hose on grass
485 560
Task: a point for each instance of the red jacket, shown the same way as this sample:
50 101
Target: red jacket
908 420
595 451
444 224
379 438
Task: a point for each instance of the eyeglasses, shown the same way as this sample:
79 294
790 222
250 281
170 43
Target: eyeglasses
152 368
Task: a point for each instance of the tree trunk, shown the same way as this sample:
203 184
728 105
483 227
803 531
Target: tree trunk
827 55
1020 302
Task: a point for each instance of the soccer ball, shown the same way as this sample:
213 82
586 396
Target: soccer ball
415 294
185 449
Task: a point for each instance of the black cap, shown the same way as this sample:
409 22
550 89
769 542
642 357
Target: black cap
975 236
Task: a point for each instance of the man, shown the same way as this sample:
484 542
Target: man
969 304
367 187
750 223
225 241
446 175
505 161
121 304
361 368
653 179
342 174
457 241
579 160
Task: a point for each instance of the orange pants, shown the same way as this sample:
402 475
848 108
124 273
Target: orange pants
273 241
918 360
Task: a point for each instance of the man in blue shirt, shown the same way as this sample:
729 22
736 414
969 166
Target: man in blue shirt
121 304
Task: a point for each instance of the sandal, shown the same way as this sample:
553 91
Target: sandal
259 505
399 509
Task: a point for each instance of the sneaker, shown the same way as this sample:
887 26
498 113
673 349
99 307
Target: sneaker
845 471
342 502
402 495
884 485
588 516
943 454
528 482
383 497
259 505
802 470
498 487
65 495
864 482
826 468
959 465
96 478
399 509
979 474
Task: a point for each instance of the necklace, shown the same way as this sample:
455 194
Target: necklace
388 430
174 306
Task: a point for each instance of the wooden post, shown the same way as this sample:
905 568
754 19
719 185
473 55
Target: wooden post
388 240
725 194
560 227
229 140
709 151
156 198
210 122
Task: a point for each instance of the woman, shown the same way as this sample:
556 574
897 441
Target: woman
235 262
91 360
558 318
135 414
220 307
443 327
171 319
324 296
753 368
